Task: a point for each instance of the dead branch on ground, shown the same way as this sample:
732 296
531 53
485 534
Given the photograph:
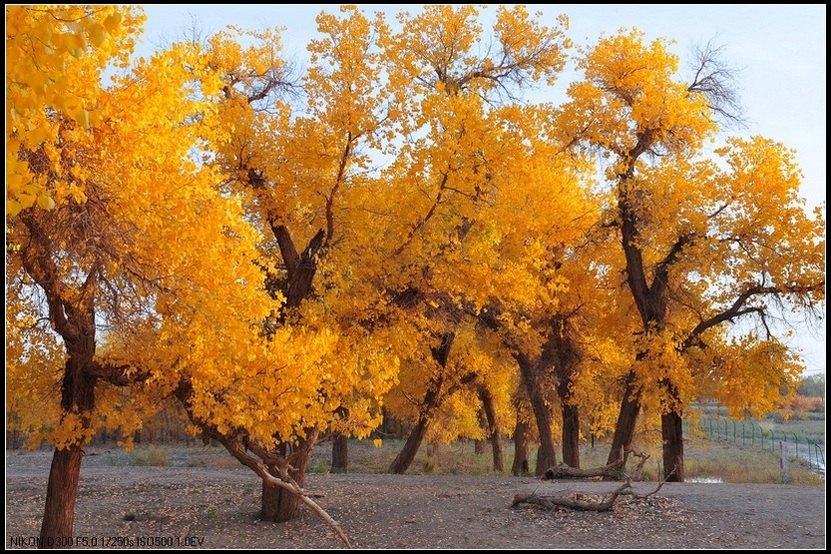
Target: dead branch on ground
565 471
582 501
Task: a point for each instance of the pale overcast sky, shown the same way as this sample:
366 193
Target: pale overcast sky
779 50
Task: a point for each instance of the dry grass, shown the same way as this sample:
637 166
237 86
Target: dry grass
704 460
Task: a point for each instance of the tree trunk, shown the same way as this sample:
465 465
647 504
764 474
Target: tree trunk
408 453
494 435
520 465
340 453
432 398
279 504
77 395
546 455
673 448
630 408
571 434
479 446
340 446
563 348
61 493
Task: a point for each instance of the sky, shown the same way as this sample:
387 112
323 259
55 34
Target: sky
778 50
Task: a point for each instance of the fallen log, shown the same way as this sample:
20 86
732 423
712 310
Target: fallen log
574 501
565 471
585 502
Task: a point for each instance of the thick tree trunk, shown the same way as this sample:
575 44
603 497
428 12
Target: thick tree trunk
279 504
340 453
571 434
673 448
77 395
630 408
494 435
408 453
546 455
520 465
61 493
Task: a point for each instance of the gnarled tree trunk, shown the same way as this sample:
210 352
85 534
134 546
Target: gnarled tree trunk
278 503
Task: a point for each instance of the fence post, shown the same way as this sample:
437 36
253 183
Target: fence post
796 447
783 461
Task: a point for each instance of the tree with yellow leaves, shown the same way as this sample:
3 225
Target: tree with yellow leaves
302 168
703 244
466 142
103 227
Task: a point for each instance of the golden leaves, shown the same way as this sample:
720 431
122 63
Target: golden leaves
427 177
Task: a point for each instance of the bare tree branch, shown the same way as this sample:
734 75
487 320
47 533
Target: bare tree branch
717 81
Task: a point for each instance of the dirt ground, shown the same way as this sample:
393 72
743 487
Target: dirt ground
214 507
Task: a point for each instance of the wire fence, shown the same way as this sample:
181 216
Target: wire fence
809 450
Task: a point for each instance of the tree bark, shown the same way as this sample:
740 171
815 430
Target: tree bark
520 465
546 455
61 493
580 501
300 267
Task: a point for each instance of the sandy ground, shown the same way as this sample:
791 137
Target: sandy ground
214 507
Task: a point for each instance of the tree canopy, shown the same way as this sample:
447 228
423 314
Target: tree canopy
288 251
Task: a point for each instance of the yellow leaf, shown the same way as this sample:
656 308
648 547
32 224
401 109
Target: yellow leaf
97 35
37 136
82 117
45 202
112 22
26 200
13 207
74 41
